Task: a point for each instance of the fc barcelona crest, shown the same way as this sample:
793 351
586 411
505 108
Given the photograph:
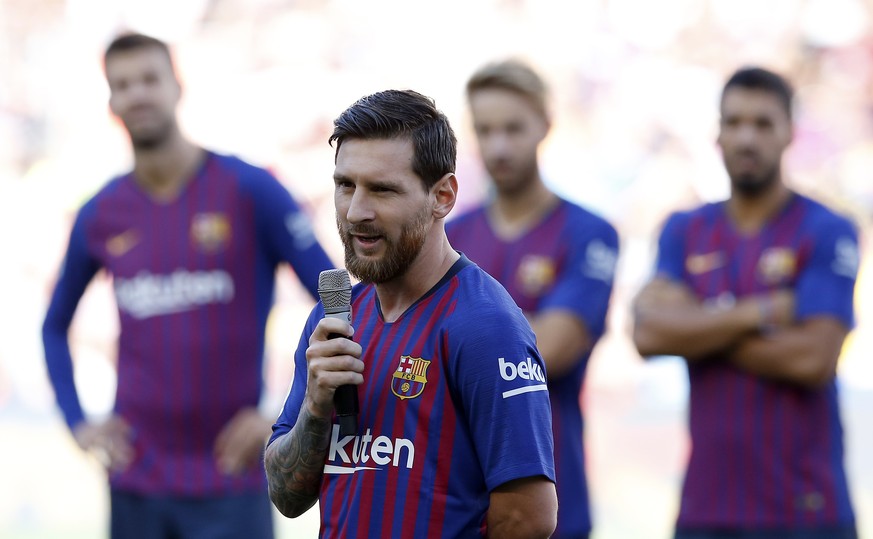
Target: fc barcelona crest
777 265
410 377
535 274
210 232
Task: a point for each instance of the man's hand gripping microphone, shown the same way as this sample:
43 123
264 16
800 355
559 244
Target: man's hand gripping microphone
335 290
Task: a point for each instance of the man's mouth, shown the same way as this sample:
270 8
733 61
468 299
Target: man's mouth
366 240
746 160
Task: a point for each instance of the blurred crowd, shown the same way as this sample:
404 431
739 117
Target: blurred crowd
635 88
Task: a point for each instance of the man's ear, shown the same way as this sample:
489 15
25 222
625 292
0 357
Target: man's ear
445 194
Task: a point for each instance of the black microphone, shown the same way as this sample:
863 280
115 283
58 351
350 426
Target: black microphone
335 290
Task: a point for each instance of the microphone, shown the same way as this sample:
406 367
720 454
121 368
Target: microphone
335 291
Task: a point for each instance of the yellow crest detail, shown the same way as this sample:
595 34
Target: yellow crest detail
777 264
210 231
409 379
535 274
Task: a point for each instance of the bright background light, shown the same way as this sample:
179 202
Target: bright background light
635 87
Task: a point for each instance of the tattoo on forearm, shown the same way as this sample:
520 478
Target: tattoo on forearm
295 465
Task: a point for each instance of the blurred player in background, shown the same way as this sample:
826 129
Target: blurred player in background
192 240
454 438
556 259
756 293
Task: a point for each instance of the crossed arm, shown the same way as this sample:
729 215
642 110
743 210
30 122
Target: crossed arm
757 334
561 338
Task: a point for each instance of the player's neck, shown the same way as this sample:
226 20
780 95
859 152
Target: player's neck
513 214
433 262
751 214
163 172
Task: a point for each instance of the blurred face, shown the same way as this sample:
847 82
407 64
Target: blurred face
755 130
382 210
144 93
509 130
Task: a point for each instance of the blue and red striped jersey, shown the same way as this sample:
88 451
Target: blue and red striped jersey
193 281
454 403
566 261
765 454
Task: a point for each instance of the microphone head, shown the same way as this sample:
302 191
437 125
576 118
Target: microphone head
335 290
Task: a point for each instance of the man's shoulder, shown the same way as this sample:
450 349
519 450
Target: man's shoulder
115 189
580 217
484 313
821 216
238 165
113 186
578 211
701 213
583 229
252 180
479 293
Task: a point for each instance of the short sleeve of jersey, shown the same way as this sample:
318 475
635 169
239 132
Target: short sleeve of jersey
585 284
826 284
500 382
288 416
286 228
671 258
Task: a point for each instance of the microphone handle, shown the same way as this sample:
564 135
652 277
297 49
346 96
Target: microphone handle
345 402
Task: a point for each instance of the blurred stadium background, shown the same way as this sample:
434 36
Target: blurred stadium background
635 86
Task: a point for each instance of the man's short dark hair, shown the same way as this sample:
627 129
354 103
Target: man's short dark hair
403 114
757 78
133 41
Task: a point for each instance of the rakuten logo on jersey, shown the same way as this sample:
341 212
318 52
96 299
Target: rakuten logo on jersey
523 370
347 453
147 294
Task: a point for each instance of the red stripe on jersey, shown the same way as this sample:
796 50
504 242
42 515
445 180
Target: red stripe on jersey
199 429
215 378
345 487
399 410
446 429
446 446
400 413
362 485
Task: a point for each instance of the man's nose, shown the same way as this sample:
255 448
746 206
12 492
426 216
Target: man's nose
360 208
497 144
747 135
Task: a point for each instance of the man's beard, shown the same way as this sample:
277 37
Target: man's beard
517 182
398 255
150 139
752 186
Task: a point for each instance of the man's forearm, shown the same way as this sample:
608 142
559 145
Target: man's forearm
804 354
295 464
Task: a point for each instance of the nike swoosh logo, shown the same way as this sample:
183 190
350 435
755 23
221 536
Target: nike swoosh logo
342 470
122 243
